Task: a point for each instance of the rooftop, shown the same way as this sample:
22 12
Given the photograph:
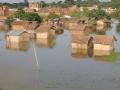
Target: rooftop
103 39
80 39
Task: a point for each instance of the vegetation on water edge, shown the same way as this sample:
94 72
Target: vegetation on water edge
53 16
67 3
118 28
111 58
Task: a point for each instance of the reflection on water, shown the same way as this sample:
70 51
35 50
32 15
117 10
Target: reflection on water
102 53
82 53
22 46
45 42
77 53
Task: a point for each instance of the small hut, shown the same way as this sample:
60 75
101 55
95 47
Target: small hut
44 32
103 43
17 36
80 42
31 27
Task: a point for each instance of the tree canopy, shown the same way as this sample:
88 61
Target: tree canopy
22 15
53 16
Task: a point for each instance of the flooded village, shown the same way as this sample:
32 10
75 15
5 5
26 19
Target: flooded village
59 48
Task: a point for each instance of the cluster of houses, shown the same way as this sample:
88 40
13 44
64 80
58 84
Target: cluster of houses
37 7
82 41
47 10
44 33
58 10
22 31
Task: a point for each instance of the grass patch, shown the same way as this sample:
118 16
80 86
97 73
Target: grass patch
118 28
111 58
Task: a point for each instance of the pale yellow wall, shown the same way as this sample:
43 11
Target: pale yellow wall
42 42
102 52
42 35
13 39
103 47
79 51
81 46
17 39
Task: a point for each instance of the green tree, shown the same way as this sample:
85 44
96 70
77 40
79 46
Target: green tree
22 15
44 4
69 2
116 3
99 14
53 16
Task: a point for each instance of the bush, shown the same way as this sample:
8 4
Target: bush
53 16
75 14
22 15
118 28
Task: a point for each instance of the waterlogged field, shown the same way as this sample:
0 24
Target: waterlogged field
56 68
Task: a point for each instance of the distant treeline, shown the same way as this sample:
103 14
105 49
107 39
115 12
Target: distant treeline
13 5
67 3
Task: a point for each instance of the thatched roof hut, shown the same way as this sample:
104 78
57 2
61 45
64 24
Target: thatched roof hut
103 42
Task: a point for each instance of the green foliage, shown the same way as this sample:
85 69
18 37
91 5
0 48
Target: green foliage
9 20
111 58
13 5
44 4
75 14
22 15
53 16
99 14
118 28
69 2
116 3
116 15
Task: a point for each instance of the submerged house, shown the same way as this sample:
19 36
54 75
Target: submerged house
80 41
29 26
22 46
46 43
44 32
79 44
76 26
18 25
103 43
17 36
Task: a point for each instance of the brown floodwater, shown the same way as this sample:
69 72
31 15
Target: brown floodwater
56 68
